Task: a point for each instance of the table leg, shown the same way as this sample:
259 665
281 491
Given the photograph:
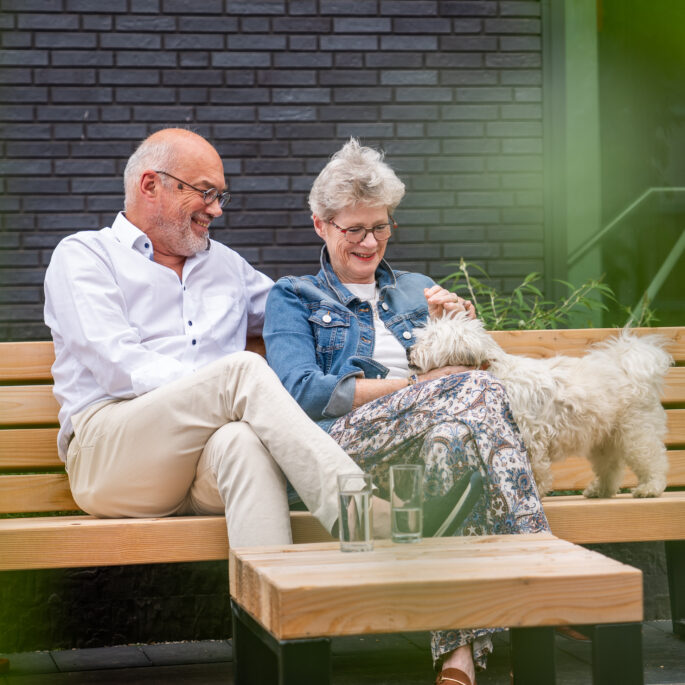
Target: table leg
675 563
532 656
258 658
617 654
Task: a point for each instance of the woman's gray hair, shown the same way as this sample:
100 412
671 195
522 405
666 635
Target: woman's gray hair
355 175
155 154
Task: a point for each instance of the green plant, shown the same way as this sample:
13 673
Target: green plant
527 308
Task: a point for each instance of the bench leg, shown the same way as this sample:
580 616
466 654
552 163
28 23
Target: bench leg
617 654
675 562
258 658
532 656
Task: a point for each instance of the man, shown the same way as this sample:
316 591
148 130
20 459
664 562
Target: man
161 411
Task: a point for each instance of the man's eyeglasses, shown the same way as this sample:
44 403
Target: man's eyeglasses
356 234
207 195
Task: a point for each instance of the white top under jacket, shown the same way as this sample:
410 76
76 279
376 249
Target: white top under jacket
123 325
386 349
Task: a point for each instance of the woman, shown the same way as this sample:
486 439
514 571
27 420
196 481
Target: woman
338 342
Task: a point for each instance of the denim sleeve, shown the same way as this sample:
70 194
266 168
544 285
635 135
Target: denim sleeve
291 353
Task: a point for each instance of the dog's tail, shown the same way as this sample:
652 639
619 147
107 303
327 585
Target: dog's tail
642 357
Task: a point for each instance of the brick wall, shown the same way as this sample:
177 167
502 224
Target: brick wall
450 89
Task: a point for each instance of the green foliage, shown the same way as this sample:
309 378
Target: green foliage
527 308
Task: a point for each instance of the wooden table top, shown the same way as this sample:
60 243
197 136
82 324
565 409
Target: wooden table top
311 590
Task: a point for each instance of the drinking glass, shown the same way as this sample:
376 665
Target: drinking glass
354 512
406 502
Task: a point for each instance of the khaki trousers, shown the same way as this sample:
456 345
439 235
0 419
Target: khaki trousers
217 441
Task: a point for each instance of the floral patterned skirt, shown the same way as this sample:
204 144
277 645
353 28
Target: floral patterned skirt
452 425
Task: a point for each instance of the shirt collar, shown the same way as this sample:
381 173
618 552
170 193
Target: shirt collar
385 278
131 236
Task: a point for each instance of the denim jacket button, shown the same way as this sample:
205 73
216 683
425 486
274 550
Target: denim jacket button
406 335
385 307
326 318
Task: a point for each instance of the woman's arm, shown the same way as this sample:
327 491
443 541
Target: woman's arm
369 389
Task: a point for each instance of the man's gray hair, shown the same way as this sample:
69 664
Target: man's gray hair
152 154
355 175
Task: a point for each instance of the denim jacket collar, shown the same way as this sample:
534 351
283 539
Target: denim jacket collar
385 278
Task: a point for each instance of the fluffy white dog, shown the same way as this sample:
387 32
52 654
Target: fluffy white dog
605 405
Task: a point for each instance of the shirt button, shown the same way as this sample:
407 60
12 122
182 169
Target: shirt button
147 244
406 335
194 341
190 323
326 318
384 306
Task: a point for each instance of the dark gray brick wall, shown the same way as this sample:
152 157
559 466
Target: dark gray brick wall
450 89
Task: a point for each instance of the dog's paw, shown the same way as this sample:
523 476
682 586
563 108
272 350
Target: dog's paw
598 489
648 490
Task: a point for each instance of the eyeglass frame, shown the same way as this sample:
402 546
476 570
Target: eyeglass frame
392 224
223 198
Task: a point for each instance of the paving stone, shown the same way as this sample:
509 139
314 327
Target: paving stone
100 657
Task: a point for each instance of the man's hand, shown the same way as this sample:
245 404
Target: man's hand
441 300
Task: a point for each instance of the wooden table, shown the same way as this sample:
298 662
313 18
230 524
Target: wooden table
288 601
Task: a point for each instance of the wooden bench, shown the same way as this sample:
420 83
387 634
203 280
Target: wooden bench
33 482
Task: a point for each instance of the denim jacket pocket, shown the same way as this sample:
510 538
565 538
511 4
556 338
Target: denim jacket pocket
330 327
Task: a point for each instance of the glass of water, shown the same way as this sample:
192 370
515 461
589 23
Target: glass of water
354 512
406 502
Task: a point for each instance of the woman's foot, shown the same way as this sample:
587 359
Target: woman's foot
458 667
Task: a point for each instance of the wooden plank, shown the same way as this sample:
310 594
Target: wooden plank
29 448
35 492
74 541
26 361
619 519
674 387
676 427
441 583
575 473
548 343
22 405
70 542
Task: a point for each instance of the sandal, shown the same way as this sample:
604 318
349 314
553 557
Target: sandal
453 675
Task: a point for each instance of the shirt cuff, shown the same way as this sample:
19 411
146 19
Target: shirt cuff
160 372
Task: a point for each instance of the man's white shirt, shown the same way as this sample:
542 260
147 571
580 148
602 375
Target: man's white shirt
123 324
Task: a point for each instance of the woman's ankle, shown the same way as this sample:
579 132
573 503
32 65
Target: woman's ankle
461 658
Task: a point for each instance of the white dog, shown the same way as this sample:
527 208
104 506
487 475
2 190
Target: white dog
605 405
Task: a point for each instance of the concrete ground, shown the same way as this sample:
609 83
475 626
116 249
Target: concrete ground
401 659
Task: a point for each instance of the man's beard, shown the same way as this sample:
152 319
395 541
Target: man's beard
179 235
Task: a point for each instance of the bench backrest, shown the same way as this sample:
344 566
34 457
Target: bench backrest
32 478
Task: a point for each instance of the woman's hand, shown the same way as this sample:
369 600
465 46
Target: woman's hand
433 374
441 300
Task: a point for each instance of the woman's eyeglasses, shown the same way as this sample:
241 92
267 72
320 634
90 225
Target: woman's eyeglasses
357 234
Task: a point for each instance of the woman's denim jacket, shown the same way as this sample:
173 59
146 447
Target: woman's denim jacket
319 336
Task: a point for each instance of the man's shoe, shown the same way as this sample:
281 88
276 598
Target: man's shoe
442 516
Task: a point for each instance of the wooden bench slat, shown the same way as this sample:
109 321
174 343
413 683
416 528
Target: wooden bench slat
75 541
674 387
29 448
676 427
576 473
22 405
35 492
549 343
620 519
26 361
